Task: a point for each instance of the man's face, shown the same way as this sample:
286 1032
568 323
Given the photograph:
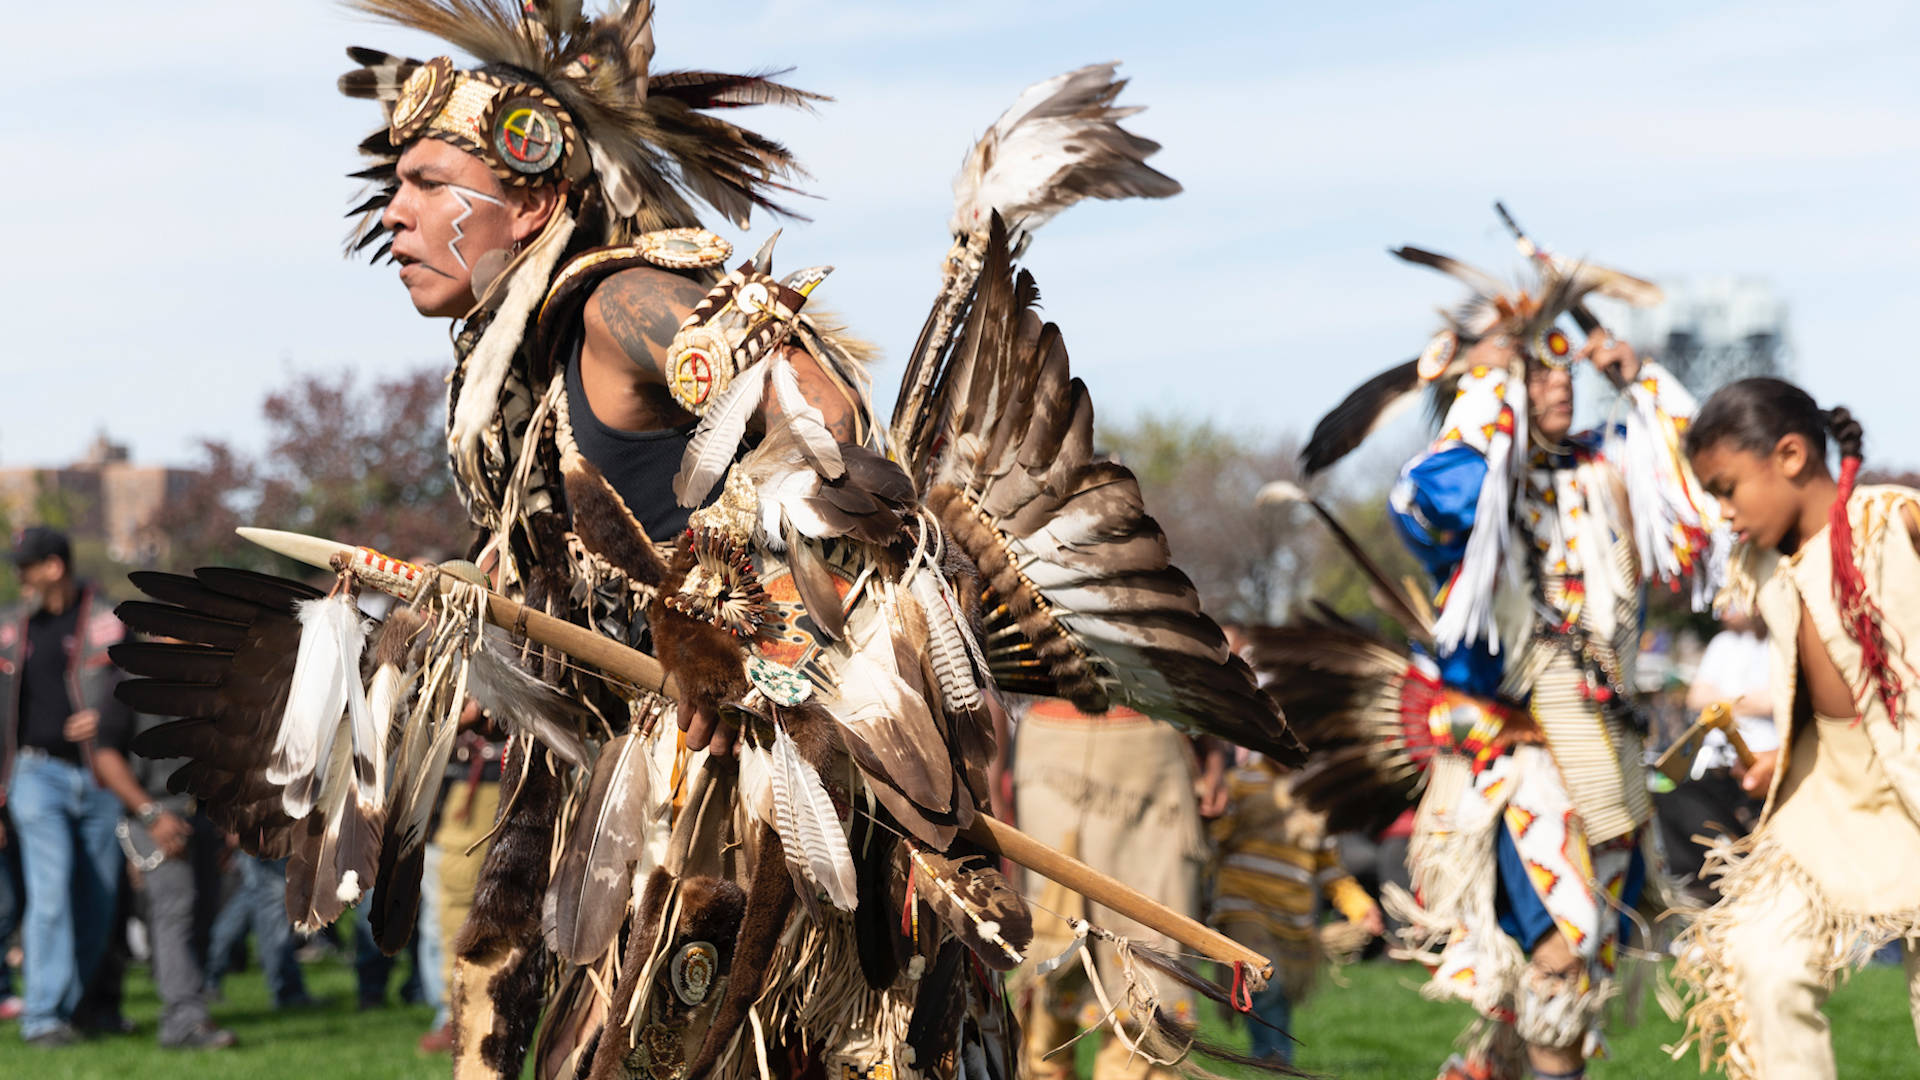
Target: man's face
447 211
37 579
1549 401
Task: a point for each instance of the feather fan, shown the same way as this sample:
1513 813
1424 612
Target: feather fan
1081 598
1361 706
227 671
1060 142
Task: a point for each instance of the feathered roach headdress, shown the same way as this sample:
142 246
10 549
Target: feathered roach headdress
1488 413
562 95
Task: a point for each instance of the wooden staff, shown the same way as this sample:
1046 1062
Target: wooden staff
1677 762
408 581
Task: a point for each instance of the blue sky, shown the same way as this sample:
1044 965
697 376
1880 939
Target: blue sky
177 243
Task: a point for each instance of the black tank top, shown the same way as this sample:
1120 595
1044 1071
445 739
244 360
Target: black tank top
639 464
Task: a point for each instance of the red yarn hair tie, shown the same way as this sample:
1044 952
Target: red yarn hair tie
1858 613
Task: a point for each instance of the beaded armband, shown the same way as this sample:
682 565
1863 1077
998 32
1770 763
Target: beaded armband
746 315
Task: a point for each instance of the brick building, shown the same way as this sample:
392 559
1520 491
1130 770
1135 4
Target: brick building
102 496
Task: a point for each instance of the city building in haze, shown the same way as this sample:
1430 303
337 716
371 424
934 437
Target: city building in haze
1712 331
103 496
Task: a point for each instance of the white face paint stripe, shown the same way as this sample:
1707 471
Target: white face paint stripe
464 196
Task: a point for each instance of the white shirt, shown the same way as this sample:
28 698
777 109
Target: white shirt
1736 663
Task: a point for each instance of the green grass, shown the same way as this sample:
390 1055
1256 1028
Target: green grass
334 1041
1376 1027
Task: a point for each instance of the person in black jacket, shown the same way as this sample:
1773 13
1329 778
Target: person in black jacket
56 690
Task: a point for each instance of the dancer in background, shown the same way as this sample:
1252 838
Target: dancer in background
1519 715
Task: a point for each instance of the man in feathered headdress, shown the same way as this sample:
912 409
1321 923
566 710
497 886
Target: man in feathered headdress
674 454
1531 840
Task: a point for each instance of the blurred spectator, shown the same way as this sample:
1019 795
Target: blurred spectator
160 843
428 937
1276 861
1122 792
1735 669
13 902
468 806
259 903
1378 861
373 969
56 687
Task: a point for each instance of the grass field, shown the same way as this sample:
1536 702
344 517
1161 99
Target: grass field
1374 1028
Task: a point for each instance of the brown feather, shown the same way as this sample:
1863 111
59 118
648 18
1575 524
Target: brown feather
587 900
1081 600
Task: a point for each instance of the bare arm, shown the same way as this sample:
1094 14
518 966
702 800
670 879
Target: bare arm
110 768
629 324
632 317
631 321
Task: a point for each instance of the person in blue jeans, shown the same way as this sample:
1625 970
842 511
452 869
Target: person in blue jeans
259 904
56 687
13 900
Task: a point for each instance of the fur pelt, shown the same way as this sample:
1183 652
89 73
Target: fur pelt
618 1035
501 960
705 660
770 900
605 526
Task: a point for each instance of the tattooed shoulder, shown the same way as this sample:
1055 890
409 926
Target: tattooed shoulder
640 310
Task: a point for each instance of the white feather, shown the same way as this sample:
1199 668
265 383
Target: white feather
326 673
803 815
386 692
1021 166
756 783
714 444
806 421
783 506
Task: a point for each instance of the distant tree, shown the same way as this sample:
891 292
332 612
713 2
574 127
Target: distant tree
1339 583
1199 482
365 465
1903 477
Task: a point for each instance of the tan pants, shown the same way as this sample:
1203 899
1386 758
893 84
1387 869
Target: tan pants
460 825
1117 794
1778 970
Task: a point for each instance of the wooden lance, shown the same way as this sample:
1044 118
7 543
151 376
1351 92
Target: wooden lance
408 580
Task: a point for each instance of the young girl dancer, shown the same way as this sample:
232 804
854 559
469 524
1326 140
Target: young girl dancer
1832 873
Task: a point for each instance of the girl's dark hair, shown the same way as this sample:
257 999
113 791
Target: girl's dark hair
1755 414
